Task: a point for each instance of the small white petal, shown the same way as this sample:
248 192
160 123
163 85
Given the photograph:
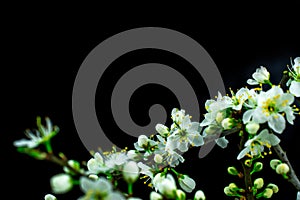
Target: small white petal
295 88
277 123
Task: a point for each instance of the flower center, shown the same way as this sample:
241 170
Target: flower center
269 107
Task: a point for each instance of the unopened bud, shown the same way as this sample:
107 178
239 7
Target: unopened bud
259 183
228 123
180 194
155 196
267 193
162 130
282 168
257 167
274 163
199 195
273 187
252 127
158 158
232 170
142 140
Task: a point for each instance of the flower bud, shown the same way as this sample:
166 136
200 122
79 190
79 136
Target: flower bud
282 169
233 187
93 177
162 130
199 195
130 172
220 116
257 167
274 163
233 171
180 195
142 140
50 197
187 183
252 127
158 158
227 191
155 196
167 188
273 187
61 183
228 123
267 193
259 183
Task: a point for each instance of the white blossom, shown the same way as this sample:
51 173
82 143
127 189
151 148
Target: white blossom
255 146
270 106
43 134
98 189
261 75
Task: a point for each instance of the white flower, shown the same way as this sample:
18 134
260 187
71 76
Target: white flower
294 81
177 115
145 144
99 189
270 106
240 98
187 183
213 107
261 75
109 162
295 88
188 133
255 146
199 195
50 197
298 196
130 172
61 183
41 135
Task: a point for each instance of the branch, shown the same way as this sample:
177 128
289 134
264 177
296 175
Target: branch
292 175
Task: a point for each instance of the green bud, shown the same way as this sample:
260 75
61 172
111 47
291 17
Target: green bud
282 169
267 193
228 192
232 170
258 183
257 167
273 187
233 187
274 163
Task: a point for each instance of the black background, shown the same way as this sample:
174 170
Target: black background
44 48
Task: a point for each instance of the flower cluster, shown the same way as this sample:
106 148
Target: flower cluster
257 113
